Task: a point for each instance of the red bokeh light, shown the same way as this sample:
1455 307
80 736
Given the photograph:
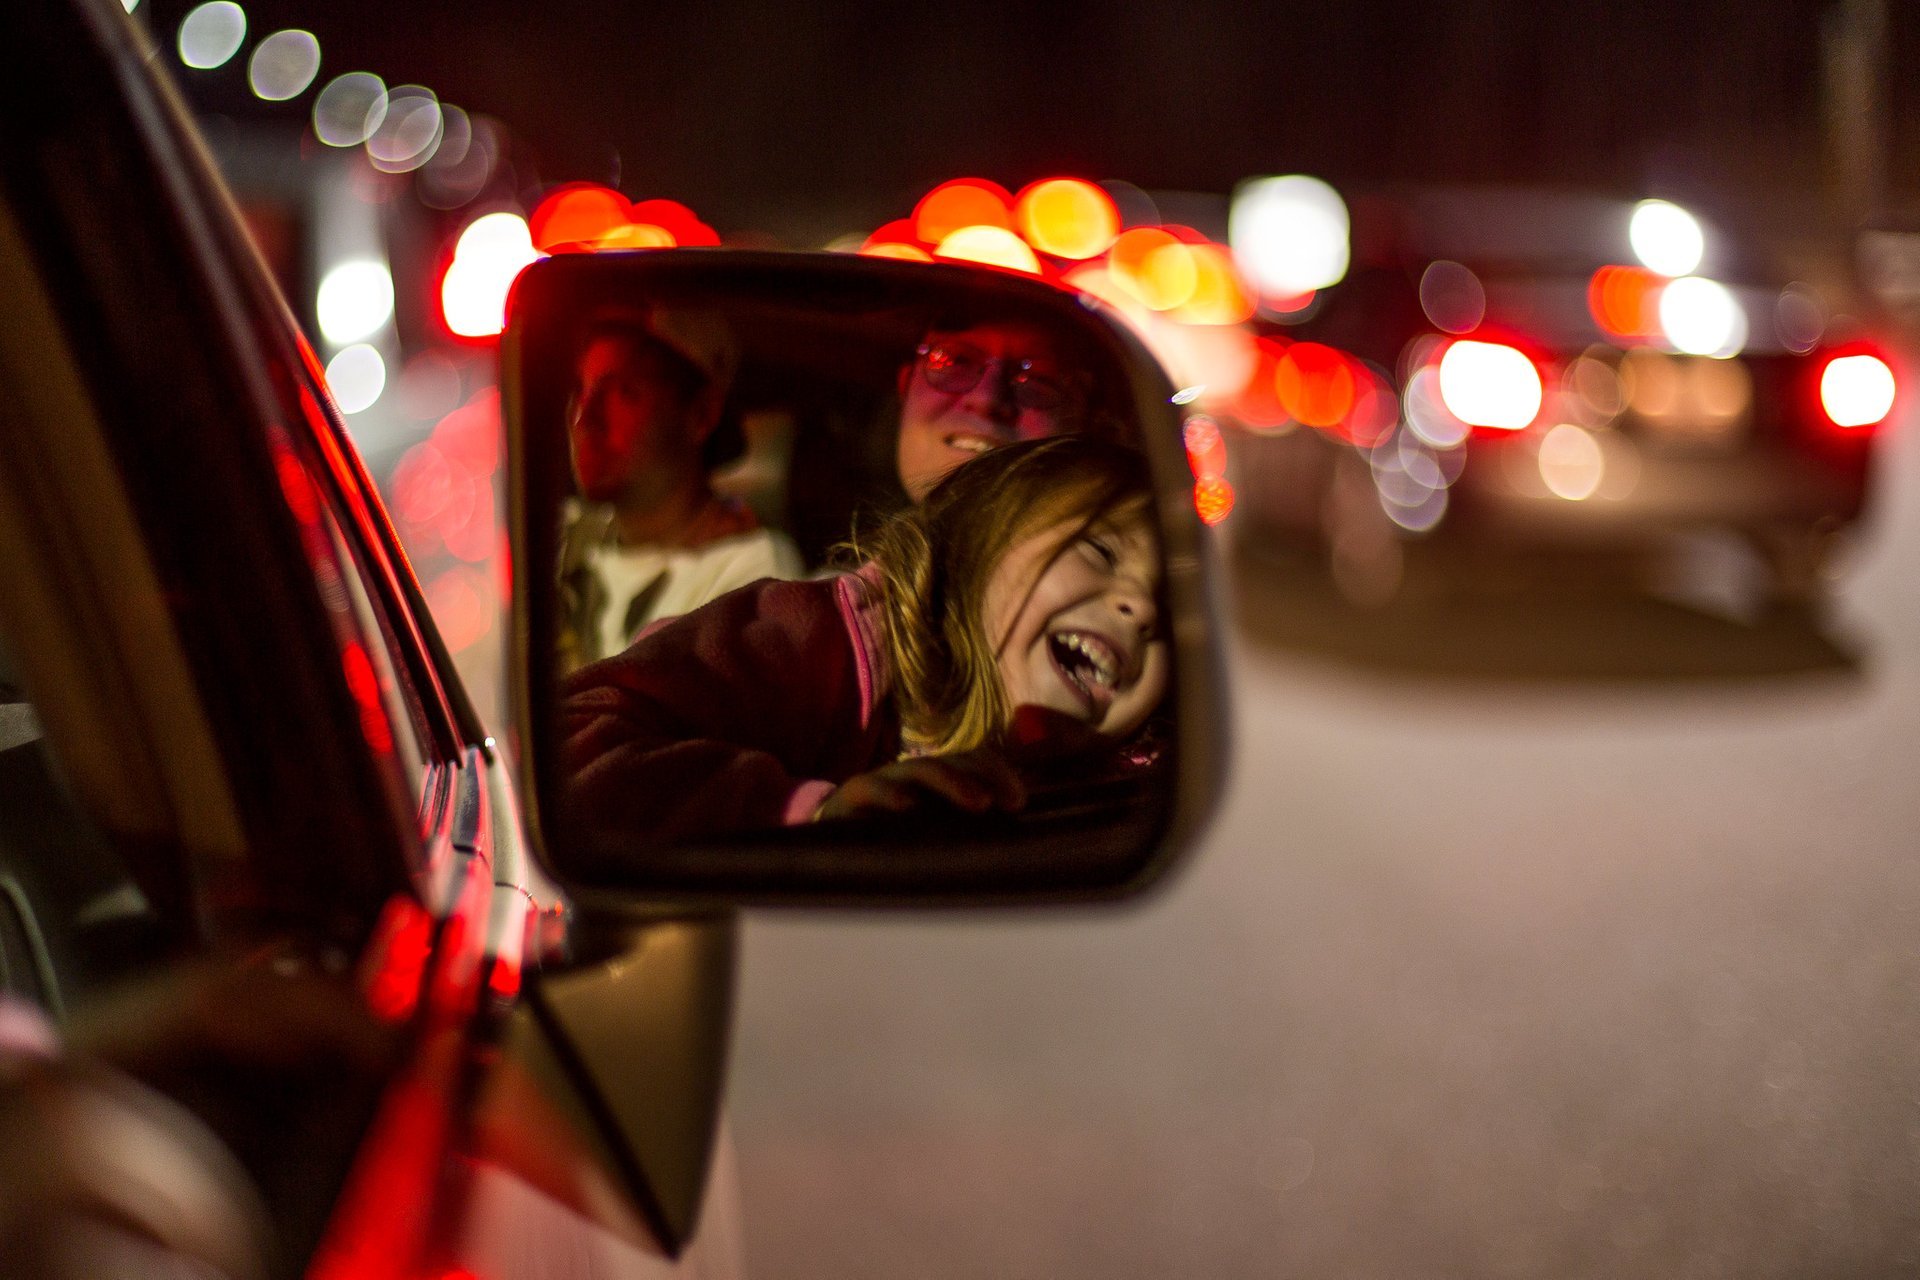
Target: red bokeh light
1258 404
963 202
577 216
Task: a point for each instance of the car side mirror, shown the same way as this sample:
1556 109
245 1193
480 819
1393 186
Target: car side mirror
839 579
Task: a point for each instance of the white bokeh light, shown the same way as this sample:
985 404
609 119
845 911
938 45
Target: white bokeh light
211 34
1571 464
1289 235
1666 238
350 108
283 65
489 257
1488 384
356 377
1857 391
1702 318
354 301
410 132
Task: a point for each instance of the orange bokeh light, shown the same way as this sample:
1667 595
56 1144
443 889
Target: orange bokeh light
1315 384
989 246
964 202
1067 217
1217 295
1213 499
1154 267
1625 301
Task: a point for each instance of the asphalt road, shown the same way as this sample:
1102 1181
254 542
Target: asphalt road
1605 965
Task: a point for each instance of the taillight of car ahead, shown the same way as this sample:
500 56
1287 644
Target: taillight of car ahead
1490 384
1857 390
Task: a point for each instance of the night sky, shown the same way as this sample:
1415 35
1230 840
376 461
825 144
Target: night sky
836 116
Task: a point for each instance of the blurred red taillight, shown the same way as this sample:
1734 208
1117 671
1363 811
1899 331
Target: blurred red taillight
1489 384
1856 390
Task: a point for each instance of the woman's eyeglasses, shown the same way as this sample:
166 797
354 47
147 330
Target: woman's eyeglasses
955 368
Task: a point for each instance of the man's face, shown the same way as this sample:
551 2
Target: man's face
975 389
630 424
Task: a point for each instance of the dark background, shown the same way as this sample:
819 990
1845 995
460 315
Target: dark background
812 121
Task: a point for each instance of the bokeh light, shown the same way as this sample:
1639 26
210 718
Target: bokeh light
1153 267
1625 301
349 109
1427 414
1217 297
1290 235
1857 390
1489 384
463 605
489 256
1315 384
1666 237
579 215
283 65
1453 297
408 133
1571 464
354 301
1593 388
989 246
211 34
1206 447
963 202
1652 383
892 249
1213 499
1258 404
1067 217
463 163
1798 318
677 220
1702 317
356 377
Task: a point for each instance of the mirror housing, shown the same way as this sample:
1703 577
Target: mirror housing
824 309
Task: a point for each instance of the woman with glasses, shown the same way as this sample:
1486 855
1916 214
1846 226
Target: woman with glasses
972 389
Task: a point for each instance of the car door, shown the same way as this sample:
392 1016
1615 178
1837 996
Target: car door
229 729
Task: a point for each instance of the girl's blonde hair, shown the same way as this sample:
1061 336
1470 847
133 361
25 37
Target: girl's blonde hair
935 560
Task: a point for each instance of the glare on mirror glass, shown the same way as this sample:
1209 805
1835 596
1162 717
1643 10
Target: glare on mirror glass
895 566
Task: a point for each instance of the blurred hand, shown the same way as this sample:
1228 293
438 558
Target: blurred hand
973 781
126 1152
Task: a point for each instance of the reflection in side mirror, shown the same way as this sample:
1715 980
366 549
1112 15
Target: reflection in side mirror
847 579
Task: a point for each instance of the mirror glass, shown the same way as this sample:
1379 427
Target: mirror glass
841 559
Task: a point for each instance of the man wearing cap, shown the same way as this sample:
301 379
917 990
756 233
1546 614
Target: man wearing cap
648 537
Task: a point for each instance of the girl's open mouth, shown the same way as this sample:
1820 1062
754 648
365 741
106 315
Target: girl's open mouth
1089 666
